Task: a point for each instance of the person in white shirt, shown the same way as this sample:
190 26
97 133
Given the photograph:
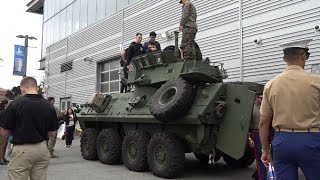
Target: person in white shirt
71 120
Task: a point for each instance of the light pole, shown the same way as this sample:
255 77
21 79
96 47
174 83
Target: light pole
26 39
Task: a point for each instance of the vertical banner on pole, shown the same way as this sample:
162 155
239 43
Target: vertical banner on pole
19 66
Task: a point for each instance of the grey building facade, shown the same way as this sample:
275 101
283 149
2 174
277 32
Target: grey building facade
244 34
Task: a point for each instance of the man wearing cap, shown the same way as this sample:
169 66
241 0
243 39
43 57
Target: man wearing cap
254 140
152 45
189 28
291 102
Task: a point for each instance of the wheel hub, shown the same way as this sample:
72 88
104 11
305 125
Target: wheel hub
105 146
160 154
168 96
132 150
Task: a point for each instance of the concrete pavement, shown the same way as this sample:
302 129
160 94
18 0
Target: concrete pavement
71 166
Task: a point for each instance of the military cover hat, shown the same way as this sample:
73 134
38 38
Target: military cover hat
296 44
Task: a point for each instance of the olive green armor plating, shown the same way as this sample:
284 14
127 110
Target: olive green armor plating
177 107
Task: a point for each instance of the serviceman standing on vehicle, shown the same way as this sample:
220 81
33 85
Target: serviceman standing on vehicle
189 28
291 101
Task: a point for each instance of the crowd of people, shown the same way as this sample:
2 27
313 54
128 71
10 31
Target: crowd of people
289 104
30 123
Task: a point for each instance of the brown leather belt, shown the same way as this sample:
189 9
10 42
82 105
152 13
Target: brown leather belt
298 130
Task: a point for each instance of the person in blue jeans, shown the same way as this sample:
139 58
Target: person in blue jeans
254 140
71 120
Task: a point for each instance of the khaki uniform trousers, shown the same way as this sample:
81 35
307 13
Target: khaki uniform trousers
30 160
51 144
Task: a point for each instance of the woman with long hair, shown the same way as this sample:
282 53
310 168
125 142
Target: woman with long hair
71 120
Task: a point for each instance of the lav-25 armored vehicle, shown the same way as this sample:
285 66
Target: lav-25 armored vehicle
177 107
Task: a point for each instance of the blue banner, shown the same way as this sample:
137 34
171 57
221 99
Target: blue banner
19 66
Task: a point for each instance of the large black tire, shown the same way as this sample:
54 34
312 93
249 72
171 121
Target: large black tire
134 151
165 155
88 144
109 146
172 100
244 162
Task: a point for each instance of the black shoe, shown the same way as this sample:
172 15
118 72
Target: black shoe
2 162
5 160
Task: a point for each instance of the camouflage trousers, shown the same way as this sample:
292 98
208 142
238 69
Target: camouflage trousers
188 44
51 144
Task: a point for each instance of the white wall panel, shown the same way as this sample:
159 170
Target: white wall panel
219 37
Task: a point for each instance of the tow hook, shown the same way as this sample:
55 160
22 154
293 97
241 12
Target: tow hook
211 159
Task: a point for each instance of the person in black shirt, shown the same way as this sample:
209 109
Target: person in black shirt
30 120
135 49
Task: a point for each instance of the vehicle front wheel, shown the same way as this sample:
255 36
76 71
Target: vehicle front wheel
109 146
88 143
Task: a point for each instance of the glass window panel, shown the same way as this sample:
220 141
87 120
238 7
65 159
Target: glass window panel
68 104
63 105
132 1
111 7
69 21
114 64
63 14
47 33
69 1
57 6
105 67
114 75
52 7
76 16
50 35
121 4
105 87
56 27
92 10
63 3
45 10
44 35
101 9
114 86
83 13
105 77
48 8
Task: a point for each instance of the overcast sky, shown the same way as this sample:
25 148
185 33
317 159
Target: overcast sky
14 20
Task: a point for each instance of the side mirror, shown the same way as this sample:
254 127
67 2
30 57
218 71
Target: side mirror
315 68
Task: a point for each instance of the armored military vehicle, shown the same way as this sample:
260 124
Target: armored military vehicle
177 107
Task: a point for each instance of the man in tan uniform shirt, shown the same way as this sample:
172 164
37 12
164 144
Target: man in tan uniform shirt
291 102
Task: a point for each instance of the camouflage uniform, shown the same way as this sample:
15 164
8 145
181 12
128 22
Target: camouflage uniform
52 141
188 22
